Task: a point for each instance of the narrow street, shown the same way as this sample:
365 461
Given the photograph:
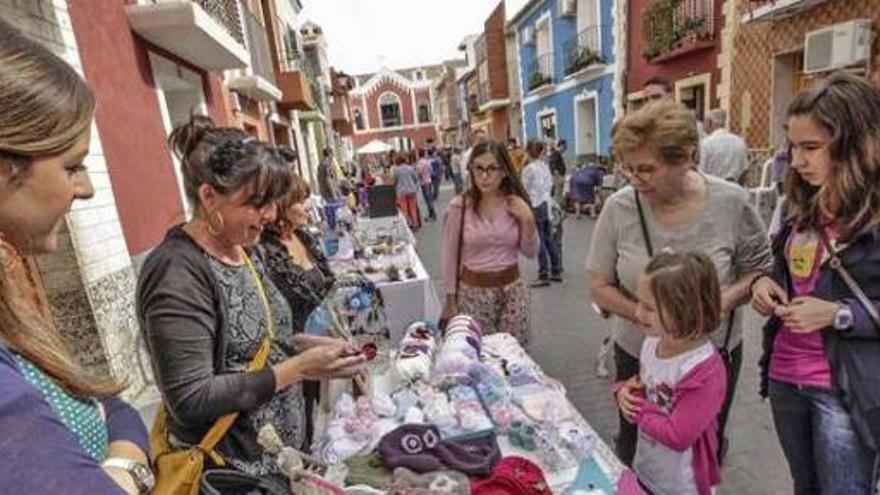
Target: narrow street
567 335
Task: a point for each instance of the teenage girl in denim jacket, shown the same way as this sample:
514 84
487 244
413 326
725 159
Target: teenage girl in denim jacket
822 347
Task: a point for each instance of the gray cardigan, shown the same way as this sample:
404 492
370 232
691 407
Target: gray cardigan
184 321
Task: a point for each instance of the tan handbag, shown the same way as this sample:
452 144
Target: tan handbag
179 472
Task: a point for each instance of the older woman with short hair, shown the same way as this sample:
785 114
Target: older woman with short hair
670 205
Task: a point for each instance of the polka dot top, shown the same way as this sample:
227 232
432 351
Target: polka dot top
82 417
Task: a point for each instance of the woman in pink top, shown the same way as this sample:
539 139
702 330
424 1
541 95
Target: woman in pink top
821 344
485 229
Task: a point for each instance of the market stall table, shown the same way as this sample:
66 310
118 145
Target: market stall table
602 467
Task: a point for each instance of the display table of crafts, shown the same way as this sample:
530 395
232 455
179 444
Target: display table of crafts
438 415
383 250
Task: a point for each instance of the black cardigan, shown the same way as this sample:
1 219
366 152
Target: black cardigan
184 321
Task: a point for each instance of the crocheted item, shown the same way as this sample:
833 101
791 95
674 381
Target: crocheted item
368 470
420 448
407 482
514 476
416 353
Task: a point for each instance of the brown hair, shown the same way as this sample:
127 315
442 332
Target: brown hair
534 149
46 108
400 159
666 128
510 184
687 292
298 193
848 107
228 159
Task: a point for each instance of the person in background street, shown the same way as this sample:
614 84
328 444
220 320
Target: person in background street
681 209
821 344
556 162
583 186
206 306
406 184
297 265
779 170
328 183
455 167
490 225
63 428
538 183
723 153
518 156
675 399
425 173
657 88
436 174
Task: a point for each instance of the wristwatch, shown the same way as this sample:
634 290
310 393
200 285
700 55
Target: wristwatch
140 473
843 319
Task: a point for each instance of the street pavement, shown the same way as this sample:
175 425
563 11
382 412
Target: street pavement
567 335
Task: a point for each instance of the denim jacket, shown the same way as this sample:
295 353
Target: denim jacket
854 354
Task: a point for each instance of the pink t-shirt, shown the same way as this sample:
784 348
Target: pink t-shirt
491 242
799 358
423 167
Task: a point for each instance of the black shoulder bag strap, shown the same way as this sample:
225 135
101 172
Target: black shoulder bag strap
850 282
725 352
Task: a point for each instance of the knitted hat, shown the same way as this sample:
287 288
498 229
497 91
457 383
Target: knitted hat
420 448
514 476
407 482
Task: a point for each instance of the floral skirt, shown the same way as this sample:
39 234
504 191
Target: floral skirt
500 309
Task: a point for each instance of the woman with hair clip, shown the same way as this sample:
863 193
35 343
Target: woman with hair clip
209 313
484 231
63 430
822 342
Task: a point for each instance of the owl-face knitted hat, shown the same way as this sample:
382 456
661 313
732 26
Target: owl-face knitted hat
419 447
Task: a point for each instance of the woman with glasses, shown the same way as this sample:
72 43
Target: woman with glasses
670 205
485 229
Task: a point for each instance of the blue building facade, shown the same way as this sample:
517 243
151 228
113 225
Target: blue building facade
566 59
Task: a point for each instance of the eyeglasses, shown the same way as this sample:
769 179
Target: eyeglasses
641 172
486 171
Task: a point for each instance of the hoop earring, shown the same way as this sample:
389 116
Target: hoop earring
212 229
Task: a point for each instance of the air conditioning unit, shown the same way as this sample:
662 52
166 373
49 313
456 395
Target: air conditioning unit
528 35
837 46
568 7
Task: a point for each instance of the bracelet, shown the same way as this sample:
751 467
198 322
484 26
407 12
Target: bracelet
755 281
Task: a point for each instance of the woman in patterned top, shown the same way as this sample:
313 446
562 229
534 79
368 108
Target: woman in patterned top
63 430
206 307
297 265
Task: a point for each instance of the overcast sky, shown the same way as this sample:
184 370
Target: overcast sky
364 35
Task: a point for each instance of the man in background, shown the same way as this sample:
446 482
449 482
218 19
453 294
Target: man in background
723 153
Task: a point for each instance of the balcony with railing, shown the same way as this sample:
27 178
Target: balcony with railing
258 80
674 28
207 33
296 84
582 51
539 71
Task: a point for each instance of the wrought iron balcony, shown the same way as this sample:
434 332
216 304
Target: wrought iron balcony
582 50
257 81
206 33
674 27
539 71
226 13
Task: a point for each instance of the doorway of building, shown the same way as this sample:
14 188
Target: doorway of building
694 98
586 127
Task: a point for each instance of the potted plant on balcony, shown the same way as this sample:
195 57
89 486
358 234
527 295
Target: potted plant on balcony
537 80
584 56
